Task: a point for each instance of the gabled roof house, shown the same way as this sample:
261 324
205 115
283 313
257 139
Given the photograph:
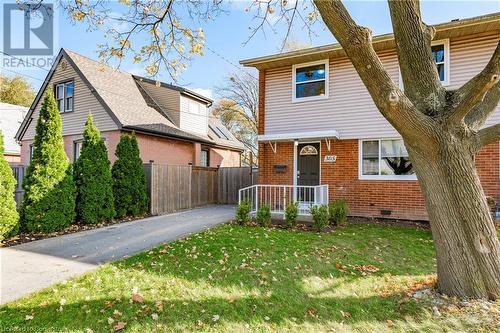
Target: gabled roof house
320 132
173 124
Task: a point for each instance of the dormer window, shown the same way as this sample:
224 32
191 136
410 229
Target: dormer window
310 81
64 96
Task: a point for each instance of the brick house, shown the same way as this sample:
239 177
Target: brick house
173 124
318 125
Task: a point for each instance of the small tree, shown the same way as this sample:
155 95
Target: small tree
8 214
49 189
243 212
129 179
92 173
264 216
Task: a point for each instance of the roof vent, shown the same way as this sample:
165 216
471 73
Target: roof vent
455 20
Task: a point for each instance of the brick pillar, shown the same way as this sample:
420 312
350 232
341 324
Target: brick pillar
196 154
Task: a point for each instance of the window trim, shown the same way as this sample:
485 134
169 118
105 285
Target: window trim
294 83
379 177
208 157
446 43
64 82
75 143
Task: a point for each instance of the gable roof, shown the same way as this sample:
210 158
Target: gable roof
10 117
123 98
453 29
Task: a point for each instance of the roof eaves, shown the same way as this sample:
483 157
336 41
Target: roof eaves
253 62
162 134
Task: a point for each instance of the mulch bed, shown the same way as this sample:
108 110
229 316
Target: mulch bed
33 236
308 226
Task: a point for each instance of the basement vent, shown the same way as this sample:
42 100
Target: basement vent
385 212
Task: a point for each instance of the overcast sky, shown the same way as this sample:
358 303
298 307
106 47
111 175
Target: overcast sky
226 34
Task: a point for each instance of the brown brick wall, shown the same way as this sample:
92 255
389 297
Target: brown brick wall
368 197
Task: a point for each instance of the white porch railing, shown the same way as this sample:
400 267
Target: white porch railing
279 196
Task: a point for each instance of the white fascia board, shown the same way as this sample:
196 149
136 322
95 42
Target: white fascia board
299 136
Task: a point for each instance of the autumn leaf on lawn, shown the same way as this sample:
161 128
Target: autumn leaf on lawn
366 268
119 326
312 312
340 267
345 314
137 298
159 305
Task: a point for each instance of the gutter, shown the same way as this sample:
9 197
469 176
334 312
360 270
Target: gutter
478 20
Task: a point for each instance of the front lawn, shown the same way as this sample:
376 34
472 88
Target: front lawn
249 279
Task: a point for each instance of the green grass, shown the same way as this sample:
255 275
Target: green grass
249 279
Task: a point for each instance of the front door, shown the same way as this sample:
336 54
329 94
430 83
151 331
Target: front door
308 156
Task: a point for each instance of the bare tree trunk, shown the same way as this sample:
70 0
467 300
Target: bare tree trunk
467 246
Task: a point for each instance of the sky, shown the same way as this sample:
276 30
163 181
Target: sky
227 33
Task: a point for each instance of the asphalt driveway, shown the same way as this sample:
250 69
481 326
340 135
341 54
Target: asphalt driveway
29 267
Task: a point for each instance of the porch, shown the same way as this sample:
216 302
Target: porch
279 196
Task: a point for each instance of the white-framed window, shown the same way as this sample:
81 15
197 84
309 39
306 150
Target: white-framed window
385 159
310 81
32 151
441 54
64 96
77 149
205 158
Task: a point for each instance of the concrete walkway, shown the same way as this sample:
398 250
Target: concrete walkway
29 267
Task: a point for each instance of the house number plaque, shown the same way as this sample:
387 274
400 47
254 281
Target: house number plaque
330 158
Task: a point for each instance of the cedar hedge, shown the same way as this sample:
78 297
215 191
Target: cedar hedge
92 174
9 218
49 189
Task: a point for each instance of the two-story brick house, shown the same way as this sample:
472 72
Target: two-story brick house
173 124
319 126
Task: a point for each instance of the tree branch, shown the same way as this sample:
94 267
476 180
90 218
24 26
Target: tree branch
418 69
357 43
482 110
487 135
472 92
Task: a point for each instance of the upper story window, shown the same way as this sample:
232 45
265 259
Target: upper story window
385 159
64 96
441 55
310 81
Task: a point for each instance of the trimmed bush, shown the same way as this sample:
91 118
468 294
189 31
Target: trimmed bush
338 212
129 178
243 212
49 189
291 215
9 218
264 216
319 216
92 174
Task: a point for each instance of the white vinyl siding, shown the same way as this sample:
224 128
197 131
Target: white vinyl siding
349 108
193 116
84 103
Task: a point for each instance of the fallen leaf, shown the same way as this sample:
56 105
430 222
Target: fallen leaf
215 318
28 317
119 326
154 316
345 314
137 298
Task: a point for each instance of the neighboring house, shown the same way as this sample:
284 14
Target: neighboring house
11 116
319 125
172 124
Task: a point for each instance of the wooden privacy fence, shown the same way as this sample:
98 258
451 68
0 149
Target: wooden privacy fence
177 187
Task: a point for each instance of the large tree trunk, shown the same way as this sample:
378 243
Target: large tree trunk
466 242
